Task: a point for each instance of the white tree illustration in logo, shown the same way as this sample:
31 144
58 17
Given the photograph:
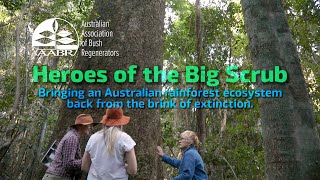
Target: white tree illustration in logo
50 34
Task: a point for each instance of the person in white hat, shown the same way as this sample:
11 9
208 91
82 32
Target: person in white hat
67 161
109 153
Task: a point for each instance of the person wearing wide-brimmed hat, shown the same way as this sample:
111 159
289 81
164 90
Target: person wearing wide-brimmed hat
67 161
109 153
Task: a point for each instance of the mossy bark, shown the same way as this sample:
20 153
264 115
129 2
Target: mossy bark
291 142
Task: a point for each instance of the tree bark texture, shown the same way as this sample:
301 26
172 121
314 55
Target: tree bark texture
291 142
201 124
138 28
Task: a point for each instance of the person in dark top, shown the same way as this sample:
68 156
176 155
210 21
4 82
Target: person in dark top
191 166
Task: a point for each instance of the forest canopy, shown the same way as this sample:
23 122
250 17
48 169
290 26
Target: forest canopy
196 59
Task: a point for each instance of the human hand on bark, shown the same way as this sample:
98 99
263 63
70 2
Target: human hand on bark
160 151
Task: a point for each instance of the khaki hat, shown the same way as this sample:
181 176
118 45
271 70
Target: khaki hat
114 117
83 119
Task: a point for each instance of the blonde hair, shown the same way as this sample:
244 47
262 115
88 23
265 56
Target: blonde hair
110 137
192 136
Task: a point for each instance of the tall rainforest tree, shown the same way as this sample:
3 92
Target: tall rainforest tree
138 36
291 142
213 31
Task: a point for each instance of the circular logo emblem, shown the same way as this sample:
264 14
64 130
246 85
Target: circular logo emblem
55 37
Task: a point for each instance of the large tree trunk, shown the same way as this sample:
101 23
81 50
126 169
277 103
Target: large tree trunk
291 142
138 36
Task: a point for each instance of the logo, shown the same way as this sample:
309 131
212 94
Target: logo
55 37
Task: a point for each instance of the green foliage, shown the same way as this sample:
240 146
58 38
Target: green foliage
73 11
167 132
34 116
238 148
304 21
13 5
224 43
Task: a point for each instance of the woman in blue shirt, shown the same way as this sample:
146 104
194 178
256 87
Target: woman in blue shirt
191 166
